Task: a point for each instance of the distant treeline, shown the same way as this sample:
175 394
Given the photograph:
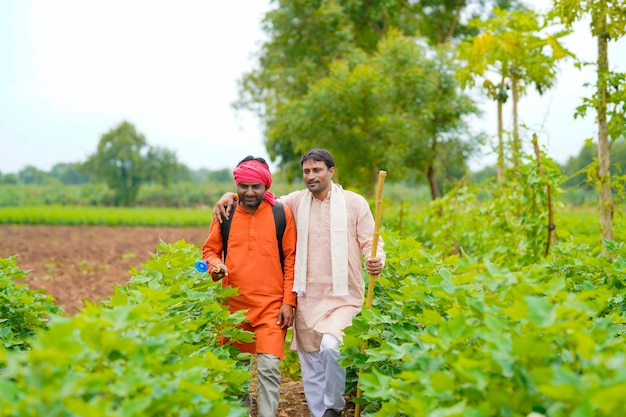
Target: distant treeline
575 169
75 174
182 194
75 183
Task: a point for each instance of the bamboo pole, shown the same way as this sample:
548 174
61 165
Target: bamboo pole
551 225
372 278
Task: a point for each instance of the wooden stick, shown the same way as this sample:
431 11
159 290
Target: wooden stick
551 226
372 278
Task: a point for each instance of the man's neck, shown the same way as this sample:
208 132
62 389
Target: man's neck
249 210
321 196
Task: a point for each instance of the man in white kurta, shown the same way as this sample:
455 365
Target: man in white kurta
323 309
318 311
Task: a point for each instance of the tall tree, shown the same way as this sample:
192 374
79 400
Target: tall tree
451 141
513 49
607 21
124 161
305 38
385 112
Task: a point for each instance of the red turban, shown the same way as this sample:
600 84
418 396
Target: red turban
255 171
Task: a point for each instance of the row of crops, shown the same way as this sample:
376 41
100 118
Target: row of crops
482 310
453 337
465 337
153 349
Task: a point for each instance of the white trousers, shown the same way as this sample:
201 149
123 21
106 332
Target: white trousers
323 379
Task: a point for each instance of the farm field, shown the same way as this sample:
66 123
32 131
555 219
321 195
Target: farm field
471 320
74 263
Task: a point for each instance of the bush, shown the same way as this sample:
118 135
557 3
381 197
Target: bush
23 311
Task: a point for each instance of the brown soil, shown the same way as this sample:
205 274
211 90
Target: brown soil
77 263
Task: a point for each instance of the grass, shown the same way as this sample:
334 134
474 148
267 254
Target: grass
111 216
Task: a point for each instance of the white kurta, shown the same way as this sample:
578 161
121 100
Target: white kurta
318 311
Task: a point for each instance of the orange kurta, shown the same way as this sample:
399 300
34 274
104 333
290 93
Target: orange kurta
254 268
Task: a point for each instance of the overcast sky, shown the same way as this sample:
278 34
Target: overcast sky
73 69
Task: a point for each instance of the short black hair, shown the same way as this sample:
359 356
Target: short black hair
252 158
319 155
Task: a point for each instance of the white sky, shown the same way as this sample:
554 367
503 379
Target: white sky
73 69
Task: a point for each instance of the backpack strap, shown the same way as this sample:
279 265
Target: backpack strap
280 221
225 229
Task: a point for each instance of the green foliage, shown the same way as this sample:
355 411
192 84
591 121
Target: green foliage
511 45
85 195
507 224
120 162
23 311
395 108
152 349
357 71
183 194
464 337
290 365
70 174
124 161
162 166
615 96
118 216
606 21
483 323
32 175
8 179
514 48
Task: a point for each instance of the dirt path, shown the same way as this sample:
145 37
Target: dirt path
74 263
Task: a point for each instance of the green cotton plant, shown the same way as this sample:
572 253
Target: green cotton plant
22 310
154 348
124 361
290 365
586 270
188 296
503 221
460 337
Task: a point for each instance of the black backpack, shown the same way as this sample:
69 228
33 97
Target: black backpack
279 220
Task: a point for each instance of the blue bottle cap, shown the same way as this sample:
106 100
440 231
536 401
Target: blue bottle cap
202 266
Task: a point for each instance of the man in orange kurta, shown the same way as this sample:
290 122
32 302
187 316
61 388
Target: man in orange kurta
253 267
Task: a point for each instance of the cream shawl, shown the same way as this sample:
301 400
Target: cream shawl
338 242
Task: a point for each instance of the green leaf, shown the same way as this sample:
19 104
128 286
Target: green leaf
540 311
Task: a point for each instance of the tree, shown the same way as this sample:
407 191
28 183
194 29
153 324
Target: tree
386 112
576 166
512 48
9 179
161 166
306 40
223 175
69 173
124 161
31 175
607 22
451 142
